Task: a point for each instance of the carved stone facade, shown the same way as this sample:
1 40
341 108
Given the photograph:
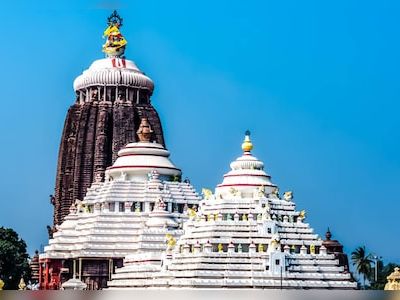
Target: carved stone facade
94 131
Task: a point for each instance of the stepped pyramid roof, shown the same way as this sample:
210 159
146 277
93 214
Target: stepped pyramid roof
123 214
245 235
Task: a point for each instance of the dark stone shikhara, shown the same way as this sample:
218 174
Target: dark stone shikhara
94 131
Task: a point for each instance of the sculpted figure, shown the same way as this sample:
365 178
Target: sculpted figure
288 195
171 241
206 193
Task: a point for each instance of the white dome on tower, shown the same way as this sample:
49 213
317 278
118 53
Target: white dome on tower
114 71
247 174
137 160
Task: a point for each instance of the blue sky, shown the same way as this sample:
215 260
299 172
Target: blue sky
316 82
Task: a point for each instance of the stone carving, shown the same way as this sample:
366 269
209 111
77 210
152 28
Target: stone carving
144 132
22 284
261 191
206 193
275 193
393 279
92 136
288 195
171 241
302 214
233 191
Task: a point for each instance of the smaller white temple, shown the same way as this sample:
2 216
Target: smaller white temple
242 236
140 203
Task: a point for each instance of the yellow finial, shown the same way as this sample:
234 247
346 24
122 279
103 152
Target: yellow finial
247 146
22 285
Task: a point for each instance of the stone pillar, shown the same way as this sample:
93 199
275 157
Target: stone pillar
146 207
250 217
186 249
80 269
97 207
74 268
322 250
196 247
110 268
252 248
208 247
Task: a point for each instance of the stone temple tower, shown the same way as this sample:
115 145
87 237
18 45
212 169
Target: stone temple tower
112 96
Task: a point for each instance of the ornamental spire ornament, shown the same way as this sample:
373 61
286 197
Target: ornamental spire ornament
247 145
116 43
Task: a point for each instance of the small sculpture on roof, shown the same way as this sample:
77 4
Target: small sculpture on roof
171 241
393 279
159 204
288 196
207 193
98 177
80 206
22 284
261 191
275 193
144 132
192 213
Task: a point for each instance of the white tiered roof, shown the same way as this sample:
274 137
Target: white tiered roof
243 236
113 218
137 160
114 71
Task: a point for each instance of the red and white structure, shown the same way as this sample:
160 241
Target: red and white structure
244 236
140 201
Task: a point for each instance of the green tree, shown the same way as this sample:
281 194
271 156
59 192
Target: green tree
362 261
13 259
383 272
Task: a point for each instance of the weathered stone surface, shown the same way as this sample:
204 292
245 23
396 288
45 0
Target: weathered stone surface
94 131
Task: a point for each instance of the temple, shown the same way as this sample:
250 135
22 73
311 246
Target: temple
393 280
244 235
336 248
111 98
124 219
142 194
